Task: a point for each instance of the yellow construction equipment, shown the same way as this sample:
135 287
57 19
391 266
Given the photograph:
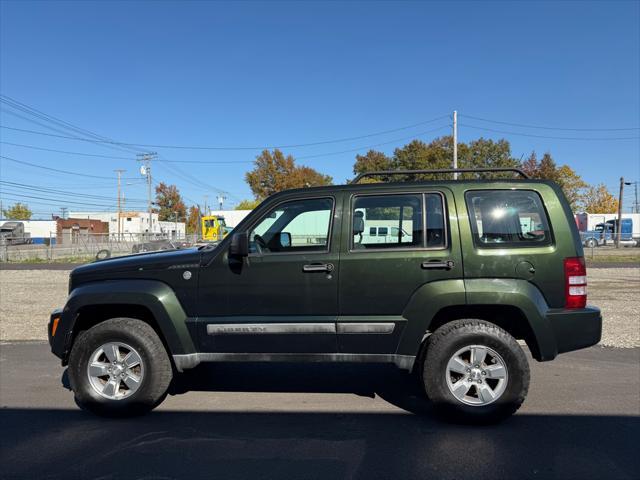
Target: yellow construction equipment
213 228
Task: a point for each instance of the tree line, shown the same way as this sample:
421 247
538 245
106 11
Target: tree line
274 171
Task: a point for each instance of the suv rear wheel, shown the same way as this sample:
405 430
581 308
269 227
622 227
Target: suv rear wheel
119 368
475 372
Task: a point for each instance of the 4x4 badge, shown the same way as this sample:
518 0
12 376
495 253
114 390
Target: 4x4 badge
186 274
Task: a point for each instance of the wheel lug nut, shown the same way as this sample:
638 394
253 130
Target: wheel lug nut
479 381
484 373
468 370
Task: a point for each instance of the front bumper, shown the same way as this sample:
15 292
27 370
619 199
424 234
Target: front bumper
54 332
575 328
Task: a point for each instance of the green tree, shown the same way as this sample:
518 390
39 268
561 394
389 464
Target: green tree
417 155
486 153
193 220
247 204
18 211
597 199
273 172
571 183
370 162
438 154
169 202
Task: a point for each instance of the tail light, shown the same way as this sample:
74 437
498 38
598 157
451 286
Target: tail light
575 275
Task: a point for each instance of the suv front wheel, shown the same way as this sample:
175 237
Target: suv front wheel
119 368
475 372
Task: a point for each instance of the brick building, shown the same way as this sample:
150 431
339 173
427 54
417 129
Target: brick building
78 230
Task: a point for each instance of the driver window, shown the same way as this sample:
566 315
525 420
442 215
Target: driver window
296 226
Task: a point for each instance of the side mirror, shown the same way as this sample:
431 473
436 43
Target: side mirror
239 245
285 239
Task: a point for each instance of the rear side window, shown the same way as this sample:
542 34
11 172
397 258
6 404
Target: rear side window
508 218
387 221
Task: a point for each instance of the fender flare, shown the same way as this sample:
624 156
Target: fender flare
423 306
430 298
524 296
156 296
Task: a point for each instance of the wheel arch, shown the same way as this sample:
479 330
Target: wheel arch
508 317
150 301
91 315
515 305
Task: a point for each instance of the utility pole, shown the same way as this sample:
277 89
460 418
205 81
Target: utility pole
636 207
619 223
175 234
145 170
206 197
619 229
63 212
119 173
455 143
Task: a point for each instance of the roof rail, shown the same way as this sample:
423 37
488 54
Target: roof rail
386 173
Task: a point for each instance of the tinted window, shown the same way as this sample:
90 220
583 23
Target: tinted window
435 220
296 226
397 219
508 218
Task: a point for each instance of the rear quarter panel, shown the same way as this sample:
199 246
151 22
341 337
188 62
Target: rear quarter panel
547 260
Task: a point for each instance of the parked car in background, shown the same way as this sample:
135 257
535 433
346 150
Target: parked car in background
159 244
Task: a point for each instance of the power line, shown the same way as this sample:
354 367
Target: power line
64 199
22 162
33 147
553 128
216 162
365 147
201 147
547 136
63 192
56 121
51 201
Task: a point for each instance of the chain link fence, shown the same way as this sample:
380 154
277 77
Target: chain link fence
598 245
86 247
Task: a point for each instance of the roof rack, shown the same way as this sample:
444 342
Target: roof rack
386 173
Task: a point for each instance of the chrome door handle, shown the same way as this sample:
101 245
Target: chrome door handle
443 265
318 267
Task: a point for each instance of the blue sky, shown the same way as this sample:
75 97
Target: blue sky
256 74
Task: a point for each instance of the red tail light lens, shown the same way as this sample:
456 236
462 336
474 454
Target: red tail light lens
575 275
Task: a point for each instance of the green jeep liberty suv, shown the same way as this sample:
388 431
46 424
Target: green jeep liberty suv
441 278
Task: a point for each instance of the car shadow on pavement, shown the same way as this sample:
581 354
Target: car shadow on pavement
186 444
391 444
397 387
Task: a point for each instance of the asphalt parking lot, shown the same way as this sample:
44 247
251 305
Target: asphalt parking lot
581 420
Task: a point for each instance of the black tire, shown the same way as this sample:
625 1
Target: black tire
157 374
456 335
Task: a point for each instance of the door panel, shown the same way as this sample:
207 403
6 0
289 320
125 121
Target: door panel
283 298
376 284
